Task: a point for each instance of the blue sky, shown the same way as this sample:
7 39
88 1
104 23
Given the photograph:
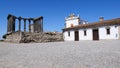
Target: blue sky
55 11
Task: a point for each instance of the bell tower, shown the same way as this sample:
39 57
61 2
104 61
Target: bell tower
72 21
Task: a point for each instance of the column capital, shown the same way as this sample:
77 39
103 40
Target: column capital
19 18
29 19
9 15
24 19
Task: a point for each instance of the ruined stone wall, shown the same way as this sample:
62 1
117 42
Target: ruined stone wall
26 37
42 37
14 37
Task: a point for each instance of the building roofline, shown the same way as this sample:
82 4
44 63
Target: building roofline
96 24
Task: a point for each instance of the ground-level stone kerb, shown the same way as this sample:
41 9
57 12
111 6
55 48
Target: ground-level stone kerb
26 37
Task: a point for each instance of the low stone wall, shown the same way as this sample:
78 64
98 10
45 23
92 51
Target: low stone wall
34 37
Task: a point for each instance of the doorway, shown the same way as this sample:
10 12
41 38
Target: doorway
95 34
76 35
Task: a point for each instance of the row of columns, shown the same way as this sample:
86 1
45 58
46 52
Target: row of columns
11 24
24 19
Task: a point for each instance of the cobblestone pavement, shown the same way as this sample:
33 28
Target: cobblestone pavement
82 54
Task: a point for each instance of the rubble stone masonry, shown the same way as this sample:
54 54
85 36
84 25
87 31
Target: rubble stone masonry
26 37
14 37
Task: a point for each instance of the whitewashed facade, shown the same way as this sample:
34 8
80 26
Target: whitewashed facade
75 30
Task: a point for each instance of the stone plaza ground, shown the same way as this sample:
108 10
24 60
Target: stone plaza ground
82 54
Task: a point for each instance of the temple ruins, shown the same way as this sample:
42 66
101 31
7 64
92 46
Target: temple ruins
27 30
37 25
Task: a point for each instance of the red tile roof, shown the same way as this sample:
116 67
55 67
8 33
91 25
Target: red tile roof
96 24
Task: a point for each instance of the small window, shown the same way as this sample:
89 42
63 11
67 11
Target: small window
68 33
72 25
115 26
108 30
85 33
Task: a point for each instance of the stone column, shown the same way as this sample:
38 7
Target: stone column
29 25
8 26
19 25
42 24
11 23
34 26
24 25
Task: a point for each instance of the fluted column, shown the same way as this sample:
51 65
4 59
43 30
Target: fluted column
34 26
29 25
13 24
24 25
19 25
10 23
42 24
7 27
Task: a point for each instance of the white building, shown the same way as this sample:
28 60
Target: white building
76 29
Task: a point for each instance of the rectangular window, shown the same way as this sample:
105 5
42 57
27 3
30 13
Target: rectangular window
108 30
85 33
68 33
